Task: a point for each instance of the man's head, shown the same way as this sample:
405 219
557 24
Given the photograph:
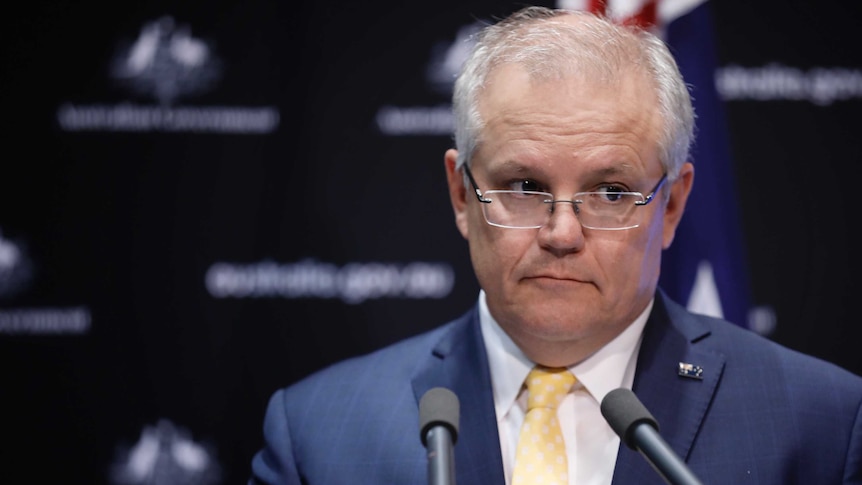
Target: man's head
565 103
555 43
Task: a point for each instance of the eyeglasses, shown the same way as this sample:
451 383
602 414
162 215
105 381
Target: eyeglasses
524 209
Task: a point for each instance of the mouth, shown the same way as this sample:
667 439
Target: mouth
554 279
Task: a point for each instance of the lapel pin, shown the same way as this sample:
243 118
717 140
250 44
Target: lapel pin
690 370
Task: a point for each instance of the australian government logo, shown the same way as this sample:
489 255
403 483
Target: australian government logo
444 62
17 274
165 454
166 64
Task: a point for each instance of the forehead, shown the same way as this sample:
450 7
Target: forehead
571 116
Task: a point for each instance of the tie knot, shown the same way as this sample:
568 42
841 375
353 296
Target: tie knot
547 386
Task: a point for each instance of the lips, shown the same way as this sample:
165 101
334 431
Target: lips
554 277
552 272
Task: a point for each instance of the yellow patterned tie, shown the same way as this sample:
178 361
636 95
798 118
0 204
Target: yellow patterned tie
541 454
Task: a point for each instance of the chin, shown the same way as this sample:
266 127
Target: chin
553 327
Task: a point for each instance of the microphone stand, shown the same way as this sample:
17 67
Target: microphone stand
441 462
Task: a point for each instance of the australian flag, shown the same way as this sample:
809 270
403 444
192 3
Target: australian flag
705 268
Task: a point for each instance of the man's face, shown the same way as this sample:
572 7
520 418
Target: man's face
562 291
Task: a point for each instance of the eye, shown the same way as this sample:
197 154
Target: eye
525 185
612 193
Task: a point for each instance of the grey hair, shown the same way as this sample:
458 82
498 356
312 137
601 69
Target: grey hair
595 49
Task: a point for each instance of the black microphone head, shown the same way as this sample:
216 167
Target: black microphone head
439 406
624 411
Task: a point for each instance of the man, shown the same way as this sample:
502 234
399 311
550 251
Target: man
569 179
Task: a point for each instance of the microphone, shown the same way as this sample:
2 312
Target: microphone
638 429
438 429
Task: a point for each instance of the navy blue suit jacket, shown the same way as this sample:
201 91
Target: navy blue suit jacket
761 414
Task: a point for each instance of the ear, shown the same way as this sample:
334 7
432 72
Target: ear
675 205
457 191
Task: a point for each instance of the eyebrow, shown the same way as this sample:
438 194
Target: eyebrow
620 168
616 169
511 165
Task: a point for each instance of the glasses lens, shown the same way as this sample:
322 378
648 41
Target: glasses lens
517 209
603 210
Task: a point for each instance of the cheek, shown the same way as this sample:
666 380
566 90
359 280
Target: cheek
649 247
495 251
627 260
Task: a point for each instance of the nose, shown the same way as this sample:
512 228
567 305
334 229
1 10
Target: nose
563 231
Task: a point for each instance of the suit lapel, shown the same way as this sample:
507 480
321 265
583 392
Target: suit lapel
459 363
678 403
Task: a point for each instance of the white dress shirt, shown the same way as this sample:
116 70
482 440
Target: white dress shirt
591 444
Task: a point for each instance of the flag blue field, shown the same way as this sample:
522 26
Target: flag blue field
706 267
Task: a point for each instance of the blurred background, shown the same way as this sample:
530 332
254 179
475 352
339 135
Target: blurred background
205 201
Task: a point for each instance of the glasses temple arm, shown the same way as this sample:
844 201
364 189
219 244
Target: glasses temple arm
475 185
655 189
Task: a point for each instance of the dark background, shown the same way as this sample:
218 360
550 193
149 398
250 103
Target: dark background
127 224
